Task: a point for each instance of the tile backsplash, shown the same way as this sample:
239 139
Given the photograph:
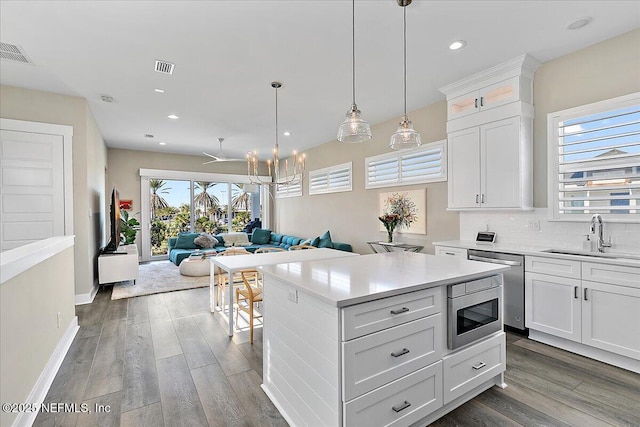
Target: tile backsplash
534 228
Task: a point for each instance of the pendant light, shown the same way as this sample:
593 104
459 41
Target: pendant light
405 137
354 128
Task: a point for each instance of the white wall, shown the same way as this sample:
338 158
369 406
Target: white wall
89 157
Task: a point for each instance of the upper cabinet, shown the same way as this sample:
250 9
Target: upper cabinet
490 126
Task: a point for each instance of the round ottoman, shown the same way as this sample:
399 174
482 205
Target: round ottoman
195 267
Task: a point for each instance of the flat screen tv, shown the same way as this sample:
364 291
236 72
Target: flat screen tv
114 218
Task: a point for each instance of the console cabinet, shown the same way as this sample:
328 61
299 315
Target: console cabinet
120 266
594 304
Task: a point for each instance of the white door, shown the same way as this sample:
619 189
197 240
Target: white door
611 318
552 305
500 164
31 188
464 168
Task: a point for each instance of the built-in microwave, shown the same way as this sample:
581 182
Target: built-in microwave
474 310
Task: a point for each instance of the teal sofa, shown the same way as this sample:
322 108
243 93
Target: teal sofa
275 240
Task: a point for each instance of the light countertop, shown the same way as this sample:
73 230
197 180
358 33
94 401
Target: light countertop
353 280
610 257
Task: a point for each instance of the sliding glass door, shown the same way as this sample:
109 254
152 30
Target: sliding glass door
171 206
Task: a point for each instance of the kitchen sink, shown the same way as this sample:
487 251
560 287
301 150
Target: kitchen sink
610 255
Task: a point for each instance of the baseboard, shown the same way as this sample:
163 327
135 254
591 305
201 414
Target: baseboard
41 387
82 299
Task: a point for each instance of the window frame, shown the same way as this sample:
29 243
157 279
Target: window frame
285 191
553 159
398 156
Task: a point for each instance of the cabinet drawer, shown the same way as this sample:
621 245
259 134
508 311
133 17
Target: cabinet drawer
613 274
400 403
377 359
369 317
471 367
444 250
553 266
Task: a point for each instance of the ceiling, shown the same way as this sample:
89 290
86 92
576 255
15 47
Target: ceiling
227 53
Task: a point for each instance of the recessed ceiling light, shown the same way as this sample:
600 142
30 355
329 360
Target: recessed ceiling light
159 90
162 143
458 44
173 116
579 23
106 98
287 133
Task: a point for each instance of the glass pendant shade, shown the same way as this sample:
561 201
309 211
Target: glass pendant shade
405 137
354 129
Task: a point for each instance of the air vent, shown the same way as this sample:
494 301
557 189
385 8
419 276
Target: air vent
15 53
164 67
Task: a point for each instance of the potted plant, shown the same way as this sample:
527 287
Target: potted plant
129 227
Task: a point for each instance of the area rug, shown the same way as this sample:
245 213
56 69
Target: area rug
157 277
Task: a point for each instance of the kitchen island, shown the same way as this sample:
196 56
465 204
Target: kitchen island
363 340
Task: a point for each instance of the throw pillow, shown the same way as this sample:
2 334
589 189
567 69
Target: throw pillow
186 241
325 241
205 241
260 236
315 242
306 242
236 239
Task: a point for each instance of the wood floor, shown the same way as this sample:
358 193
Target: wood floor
165 360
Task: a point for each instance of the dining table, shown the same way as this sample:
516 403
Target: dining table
234 264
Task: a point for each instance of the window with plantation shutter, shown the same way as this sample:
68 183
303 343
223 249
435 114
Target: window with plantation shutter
330 180
289 190
594 160
422 165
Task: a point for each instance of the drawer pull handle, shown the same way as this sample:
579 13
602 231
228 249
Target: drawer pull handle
402 406
402 310
400 353
449 253
575 292
479 366
585 294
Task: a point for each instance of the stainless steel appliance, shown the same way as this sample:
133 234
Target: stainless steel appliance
474 310
513 284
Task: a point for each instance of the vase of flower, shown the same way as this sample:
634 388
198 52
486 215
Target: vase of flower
389 221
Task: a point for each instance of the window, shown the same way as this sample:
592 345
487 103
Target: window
422 165
289 190
333 179
594 160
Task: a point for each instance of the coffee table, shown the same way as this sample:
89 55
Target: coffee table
233 264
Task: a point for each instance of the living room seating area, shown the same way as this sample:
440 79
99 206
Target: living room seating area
186 244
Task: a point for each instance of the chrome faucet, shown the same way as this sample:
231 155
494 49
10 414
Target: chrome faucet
600 244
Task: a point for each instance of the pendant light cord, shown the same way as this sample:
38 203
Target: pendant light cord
277 148
353 47
404 9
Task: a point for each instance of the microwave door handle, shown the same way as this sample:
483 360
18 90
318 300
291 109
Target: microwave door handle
495 261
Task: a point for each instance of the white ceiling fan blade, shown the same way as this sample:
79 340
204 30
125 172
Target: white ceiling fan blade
212 161
215 158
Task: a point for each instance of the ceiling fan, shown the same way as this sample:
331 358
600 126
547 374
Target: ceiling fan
220 157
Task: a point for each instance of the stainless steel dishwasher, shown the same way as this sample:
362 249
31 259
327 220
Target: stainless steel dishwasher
513 286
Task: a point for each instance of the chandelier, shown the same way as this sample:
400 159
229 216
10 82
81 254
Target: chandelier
275 178
405 137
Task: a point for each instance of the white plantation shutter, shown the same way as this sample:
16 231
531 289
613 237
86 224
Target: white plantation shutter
595 160
422 165
289 190
331 180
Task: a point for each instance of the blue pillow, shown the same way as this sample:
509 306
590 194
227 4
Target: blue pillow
315 242
185 241
325 241
219 239
260 236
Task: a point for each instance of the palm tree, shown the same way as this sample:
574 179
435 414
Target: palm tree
241 198
204 199
157 202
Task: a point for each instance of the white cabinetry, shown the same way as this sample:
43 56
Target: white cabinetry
597 305
490 127
120 266
449 251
